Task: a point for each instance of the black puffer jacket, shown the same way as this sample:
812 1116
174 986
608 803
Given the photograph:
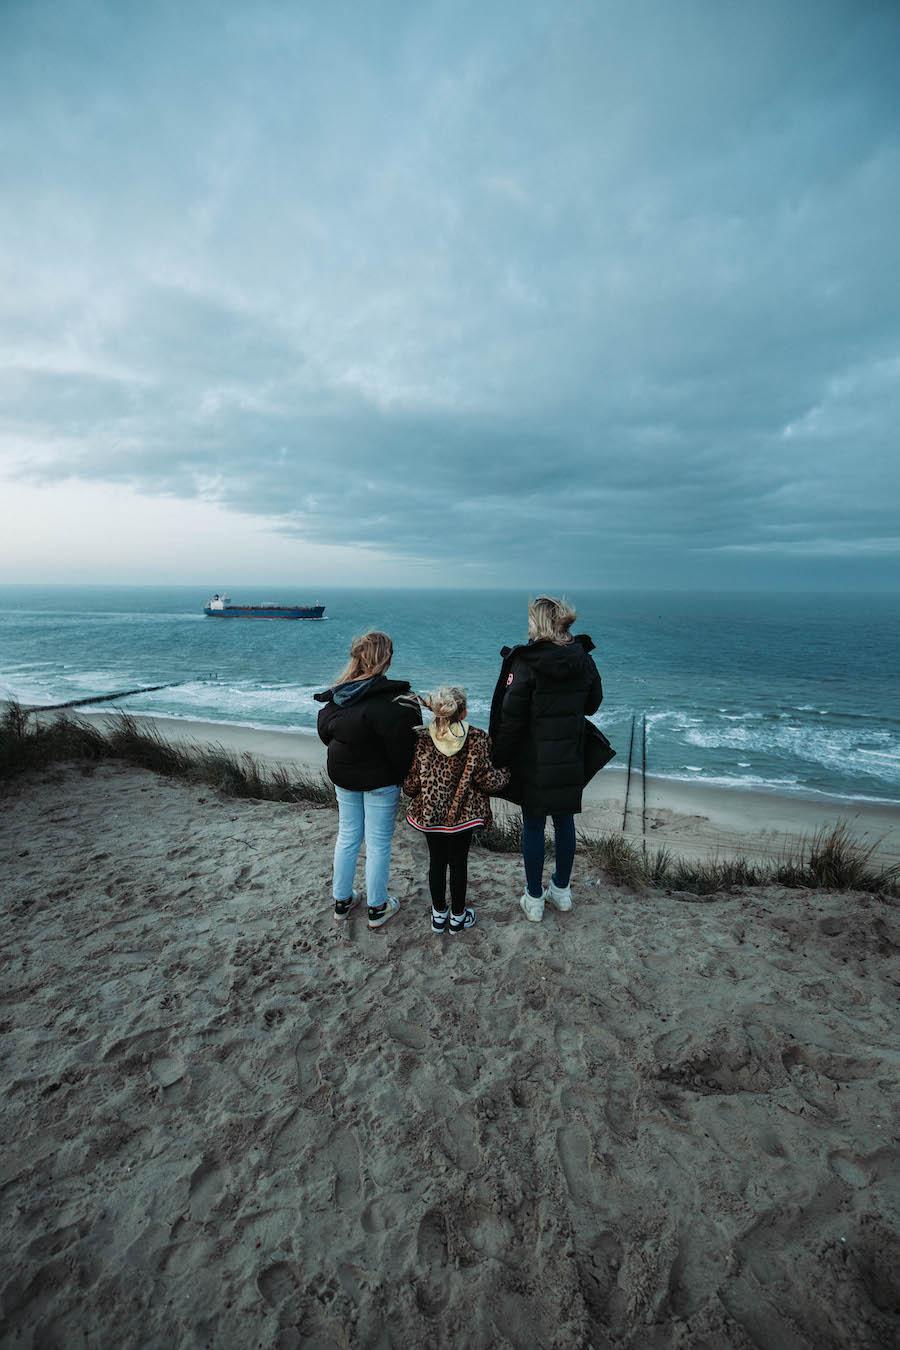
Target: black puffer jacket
537 722
370 737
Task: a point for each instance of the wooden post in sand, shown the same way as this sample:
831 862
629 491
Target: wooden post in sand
644 785
628 779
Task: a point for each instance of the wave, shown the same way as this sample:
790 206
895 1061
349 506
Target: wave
791 786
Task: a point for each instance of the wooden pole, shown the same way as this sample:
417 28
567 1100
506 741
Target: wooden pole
628 780
644 785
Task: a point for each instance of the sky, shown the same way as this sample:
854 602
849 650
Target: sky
523 293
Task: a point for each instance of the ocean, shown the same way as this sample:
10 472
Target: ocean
791 692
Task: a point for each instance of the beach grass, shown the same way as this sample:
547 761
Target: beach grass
29 743
829 859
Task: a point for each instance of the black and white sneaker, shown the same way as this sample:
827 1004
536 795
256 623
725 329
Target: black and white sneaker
379 914
460 922
439 920
342 908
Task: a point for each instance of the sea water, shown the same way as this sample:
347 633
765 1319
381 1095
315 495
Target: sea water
785 691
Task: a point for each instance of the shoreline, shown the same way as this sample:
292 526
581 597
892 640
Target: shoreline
695 819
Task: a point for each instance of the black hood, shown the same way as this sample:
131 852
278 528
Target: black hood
555 662
380 685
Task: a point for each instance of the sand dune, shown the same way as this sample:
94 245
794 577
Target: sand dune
649 1123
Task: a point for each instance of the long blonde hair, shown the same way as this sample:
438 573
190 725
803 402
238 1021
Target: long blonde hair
369 655
446 705
550 619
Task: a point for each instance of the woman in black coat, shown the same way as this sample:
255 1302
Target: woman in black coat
545 690
370 738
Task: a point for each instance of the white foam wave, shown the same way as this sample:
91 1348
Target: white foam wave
831 748
793 786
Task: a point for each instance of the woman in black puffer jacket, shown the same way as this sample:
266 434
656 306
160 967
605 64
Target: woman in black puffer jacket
545 690
370 738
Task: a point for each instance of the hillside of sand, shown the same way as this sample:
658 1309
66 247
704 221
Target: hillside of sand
649 1123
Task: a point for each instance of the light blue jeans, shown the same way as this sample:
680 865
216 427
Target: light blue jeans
370 816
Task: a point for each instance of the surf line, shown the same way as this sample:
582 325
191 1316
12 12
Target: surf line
628 779
101 698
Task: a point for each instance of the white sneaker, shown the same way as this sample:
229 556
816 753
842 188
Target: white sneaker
560 897
532 908
379 914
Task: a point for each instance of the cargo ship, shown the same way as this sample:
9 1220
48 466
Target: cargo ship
220 607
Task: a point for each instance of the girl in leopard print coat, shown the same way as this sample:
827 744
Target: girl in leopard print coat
449 785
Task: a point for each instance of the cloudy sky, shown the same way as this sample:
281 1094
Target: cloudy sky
549 294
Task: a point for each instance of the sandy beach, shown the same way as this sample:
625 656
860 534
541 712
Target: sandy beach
227 1122
693 819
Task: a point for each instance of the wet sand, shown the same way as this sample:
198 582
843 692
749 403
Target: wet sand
227 1122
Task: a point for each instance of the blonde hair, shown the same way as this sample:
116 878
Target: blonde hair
550 619
447 705
369 655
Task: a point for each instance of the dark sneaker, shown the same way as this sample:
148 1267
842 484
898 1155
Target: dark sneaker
460 922
439 918
342 908
379 914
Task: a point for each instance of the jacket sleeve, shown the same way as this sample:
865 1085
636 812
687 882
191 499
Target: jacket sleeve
398 735
325 723
412 783
486 776
515 714
594 696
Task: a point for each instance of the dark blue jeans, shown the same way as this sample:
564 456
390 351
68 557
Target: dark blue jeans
533 850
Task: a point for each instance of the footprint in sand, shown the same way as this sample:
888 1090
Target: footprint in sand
343 1152
488 1230
379 1215
306 1052
861 1169
460 1141
569 1043
522 1093
408 1034
142 1042
618 1112
205 1189
288 1144
277 1283
167 1070
431 1250
54 1242
574 1146
598 1267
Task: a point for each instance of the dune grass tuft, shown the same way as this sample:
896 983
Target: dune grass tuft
504 836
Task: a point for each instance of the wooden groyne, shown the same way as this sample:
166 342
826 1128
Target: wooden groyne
99 698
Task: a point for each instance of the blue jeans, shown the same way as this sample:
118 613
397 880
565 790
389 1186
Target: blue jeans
370 816
533 850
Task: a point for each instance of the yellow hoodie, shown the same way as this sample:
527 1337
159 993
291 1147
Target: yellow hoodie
452 740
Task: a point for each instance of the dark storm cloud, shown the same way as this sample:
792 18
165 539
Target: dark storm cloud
599 290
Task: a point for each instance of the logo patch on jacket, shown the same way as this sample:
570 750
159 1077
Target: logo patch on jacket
509 679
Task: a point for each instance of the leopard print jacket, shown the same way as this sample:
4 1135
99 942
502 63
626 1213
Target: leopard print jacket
450 792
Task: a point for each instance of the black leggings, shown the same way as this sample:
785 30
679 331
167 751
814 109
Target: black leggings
449 850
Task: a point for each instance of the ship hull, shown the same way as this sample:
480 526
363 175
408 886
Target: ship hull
254 612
